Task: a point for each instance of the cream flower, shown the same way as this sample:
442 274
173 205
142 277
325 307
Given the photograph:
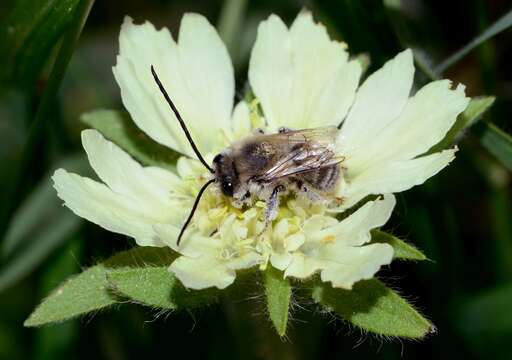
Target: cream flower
302 79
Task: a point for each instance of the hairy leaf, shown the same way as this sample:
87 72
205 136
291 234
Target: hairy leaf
278 293
157 287
79 295
89 290
402 250
373 307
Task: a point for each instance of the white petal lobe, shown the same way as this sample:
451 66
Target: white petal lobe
373 214
202 273
196 72
378 102
97 203
119 171
424 122
302 78
426 119
337 250
356 263
396 176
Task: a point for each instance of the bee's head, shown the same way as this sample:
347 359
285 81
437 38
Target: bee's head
226 174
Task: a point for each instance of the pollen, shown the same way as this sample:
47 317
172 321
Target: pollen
329 238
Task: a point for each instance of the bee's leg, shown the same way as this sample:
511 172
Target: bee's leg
272 205
283 130
306 192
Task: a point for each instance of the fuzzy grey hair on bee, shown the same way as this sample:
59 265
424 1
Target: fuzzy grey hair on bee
267 166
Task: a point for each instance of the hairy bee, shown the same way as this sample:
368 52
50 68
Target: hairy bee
265 166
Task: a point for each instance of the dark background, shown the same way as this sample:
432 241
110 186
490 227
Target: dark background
462 218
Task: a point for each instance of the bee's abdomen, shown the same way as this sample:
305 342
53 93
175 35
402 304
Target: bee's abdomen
323 179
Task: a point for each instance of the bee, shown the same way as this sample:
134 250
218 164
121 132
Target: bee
267 166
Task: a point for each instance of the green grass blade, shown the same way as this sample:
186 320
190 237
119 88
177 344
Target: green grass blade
497 142
278 292
402 250
40 225
35 135
120 129
230 24
500 25
30 257
40 208
373 307
28 34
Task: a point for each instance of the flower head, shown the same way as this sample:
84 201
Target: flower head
302 79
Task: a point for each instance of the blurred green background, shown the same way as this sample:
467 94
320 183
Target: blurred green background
462 218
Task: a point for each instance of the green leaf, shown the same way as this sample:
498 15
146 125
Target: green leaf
476 108
89 290
500 25
496 141
141 256
373 307
278 292
50 342
120 129
79 295
28 34
157 287
40 225
402 250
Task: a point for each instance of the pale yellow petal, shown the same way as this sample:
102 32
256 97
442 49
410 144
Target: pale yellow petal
424 122
378 102
99 204
347 266
196 72
120 172
396 176
302 78
355 229
202 272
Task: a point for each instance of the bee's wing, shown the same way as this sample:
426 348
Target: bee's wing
322 136
308 150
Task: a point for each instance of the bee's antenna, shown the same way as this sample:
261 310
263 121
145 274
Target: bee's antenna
180 119
194 207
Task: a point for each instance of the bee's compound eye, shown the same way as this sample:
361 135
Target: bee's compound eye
227 188
217 158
